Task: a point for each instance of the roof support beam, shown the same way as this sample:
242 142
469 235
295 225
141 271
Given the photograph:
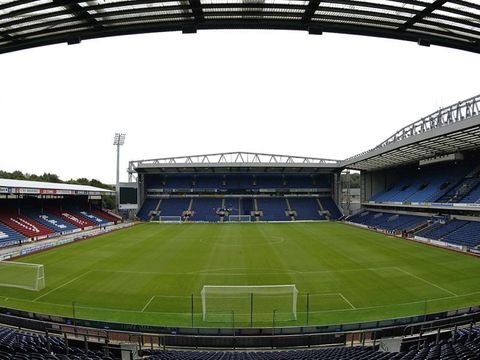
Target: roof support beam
197 13
310 11
422 14
80 13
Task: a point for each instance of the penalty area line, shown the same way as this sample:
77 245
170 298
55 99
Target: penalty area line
61 286
148 303
346 300
427 282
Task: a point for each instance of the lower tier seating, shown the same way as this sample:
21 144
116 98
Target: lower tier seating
73 218
205 209
25 226
463 344
329 205
18 345
9 236
148 205
273 209
388 221
174 206
53 222
454 231
306 208
104 215
97 220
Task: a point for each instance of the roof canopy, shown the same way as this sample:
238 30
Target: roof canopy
232 161
449 130
29 23
8 186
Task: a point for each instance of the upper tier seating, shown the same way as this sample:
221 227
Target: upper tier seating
273 209
24 225
329 205
424 185
9 236
321 181
179 182
238 182
205 209
208 182
269 182
473 195
306 208
299 181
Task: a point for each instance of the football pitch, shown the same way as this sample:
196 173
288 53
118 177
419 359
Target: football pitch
154 273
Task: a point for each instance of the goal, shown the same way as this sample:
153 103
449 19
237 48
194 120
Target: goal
170 219
239 218
249 304
22 275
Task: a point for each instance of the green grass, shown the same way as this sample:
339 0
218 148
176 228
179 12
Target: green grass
146 274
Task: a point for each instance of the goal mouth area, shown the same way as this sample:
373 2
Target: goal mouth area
21 275
170 219
249 304
239 218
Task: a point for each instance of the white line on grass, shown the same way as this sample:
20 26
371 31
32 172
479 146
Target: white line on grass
319 311
426 281
218 272
346 300
148 303
61 286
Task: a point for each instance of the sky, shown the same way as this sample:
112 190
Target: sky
173 94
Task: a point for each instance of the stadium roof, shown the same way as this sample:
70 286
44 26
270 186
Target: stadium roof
453 129
29 23
232 161
9 186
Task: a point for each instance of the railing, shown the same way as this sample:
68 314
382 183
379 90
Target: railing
155 336
447 116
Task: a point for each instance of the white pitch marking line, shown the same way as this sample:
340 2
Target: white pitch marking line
320 311
346 300
61 286
428 282
148 303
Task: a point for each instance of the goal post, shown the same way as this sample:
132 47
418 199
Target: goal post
22 275
170 219
239 218
249 303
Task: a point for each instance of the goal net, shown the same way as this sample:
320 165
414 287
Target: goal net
249 303
170 219
239 218
22 275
